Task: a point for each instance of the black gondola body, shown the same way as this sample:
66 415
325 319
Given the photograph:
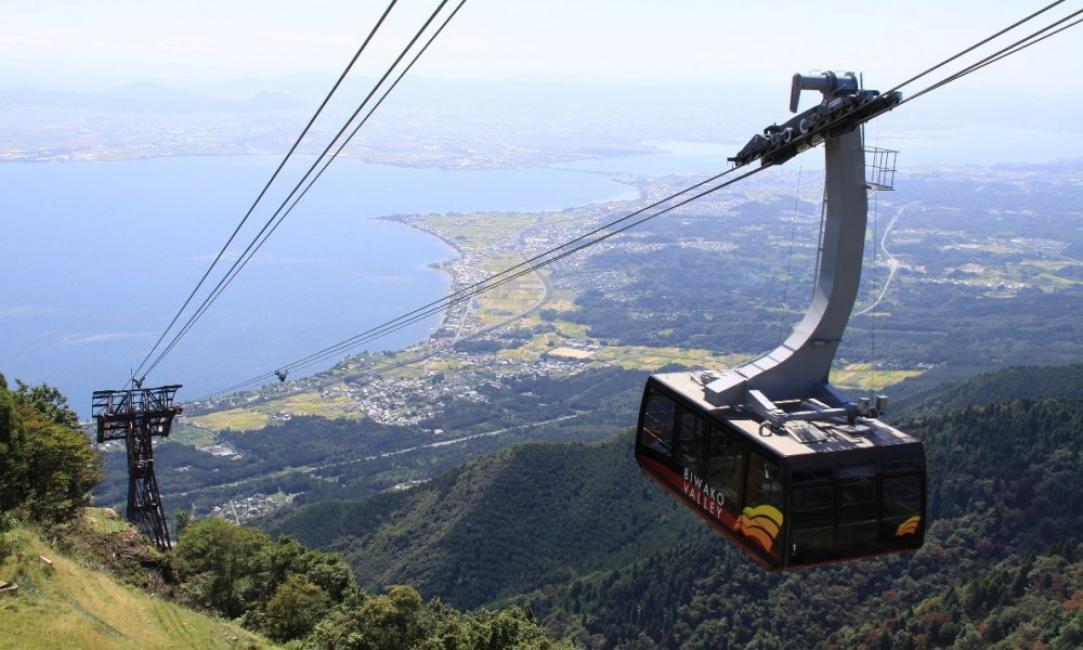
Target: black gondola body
820 492
771 454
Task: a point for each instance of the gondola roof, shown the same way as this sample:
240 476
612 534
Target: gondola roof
800 438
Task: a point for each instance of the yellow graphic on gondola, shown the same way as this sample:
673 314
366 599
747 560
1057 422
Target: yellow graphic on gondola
761 524
908 527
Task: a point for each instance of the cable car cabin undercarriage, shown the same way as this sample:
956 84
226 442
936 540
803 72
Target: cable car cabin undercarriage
771 454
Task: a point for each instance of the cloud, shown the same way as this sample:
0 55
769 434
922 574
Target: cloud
27 310
101 337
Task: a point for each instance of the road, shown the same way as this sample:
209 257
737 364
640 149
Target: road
309 469
894 264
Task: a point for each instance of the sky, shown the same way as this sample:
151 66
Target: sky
198 44
718 60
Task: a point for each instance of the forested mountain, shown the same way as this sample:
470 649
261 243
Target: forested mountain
524 518
1001 488
573 536
1005 504
1021 602
921 394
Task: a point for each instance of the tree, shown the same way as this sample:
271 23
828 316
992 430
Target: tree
62 471
386 622
6 524
507 628
12 456
279 586
399 619
329 571
47 466
47 401
182 520
295 608
223 566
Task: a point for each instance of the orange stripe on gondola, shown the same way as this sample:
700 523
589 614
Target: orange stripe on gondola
767 525
761 537
726 523
908 527
761 523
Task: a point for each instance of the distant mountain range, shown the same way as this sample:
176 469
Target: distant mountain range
145 97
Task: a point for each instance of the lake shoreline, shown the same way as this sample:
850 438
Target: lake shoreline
417 223
443 266
554 162
332 263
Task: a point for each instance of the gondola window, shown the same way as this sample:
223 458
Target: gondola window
689 441
726 468
858 514
658 421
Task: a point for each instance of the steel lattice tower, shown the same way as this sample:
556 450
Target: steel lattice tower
135 416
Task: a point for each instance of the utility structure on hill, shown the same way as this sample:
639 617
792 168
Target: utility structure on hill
136 415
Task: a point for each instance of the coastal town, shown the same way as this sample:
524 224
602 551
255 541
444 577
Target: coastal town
517 331
478 343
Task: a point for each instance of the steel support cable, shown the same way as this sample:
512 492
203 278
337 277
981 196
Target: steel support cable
789 252
449 299
260 237
372 334
230 273
267 185
976 46
493 281
422 314
469 292
326 163
489 282
1031 39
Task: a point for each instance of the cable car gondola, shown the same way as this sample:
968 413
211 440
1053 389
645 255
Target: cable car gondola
771 454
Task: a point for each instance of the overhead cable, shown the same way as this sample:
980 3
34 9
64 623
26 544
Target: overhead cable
553 255
586 240
975 46
1031 39
275 219
266 186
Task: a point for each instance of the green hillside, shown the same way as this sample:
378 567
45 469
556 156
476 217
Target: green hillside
108 589
1003 487
98 583
1019 603
609 561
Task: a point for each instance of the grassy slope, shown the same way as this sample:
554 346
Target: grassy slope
69 606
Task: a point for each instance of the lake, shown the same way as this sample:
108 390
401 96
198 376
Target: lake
97 256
